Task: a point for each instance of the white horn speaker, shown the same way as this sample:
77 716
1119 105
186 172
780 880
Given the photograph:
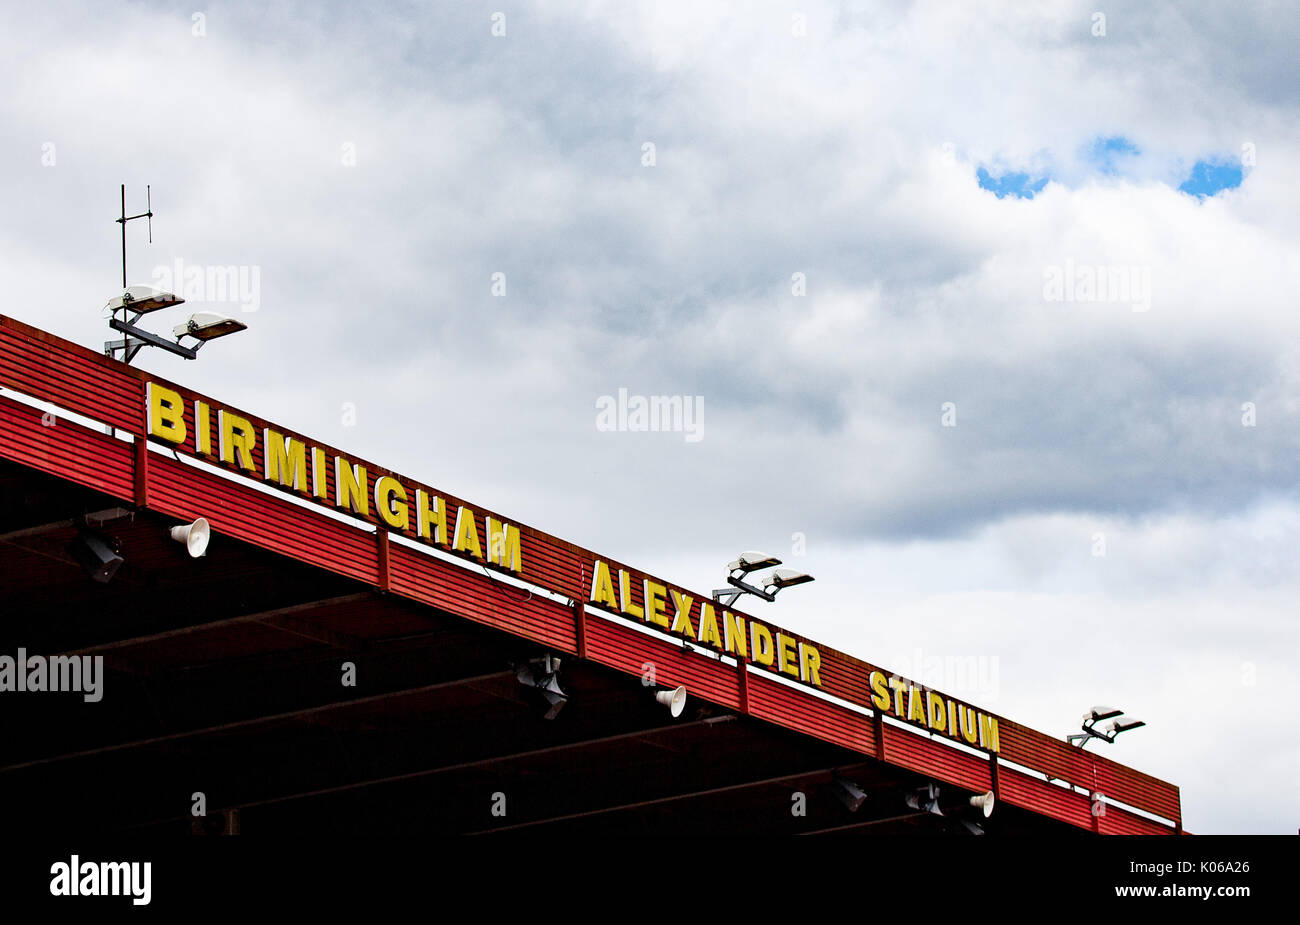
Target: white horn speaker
674 700
195 537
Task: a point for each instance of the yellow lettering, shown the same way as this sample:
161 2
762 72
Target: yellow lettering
467 533
968 730
390 503
286 460
988 732
760 643
709 626
682 617
915 711
656 602
430 518
897 685
880 690
602 586
319 474
810 661
733 632
202 429
350 487
786 659
236 440
626 604
503 545
935 717
166 413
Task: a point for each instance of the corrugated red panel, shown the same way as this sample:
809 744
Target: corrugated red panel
1053 757
628 650
830 722
1041 797
1115 821
67 450
48 368
1138 789
52 369
456 590
936 759
185 492
846 678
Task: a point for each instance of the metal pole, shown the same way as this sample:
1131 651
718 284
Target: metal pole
123 220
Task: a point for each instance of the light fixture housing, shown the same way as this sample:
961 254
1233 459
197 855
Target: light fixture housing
848 793
1097 714
785 578
1123 725
752 561
144 299
207 326
97 554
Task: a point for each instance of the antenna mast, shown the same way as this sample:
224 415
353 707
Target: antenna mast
126 218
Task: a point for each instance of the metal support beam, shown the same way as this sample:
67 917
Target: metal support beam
152 340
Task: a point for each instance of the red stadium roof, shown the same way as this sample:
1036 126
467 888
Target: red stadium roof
229 675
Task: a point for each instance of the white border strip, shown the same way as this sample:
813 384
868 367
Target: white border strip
521 584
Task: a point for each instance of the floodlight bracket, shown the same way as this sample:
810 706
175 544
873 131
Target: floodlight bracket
738 587
139 338
1080 739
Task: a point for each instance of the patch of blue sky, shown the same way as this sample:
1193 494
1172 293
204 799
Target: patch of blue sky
1111 155
1020 185
1210 177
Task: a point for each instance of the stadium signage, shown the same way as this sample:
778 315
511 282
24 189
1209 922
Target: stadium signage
290 463
332 479
930 709
726 632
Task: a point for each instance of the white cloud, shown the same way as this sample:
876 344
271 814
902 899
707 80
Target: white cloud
775 154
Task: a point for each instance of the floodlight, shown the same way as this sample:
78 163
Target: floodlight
1096 714
674 700
1108 733
785 577
144 299
773 582
752 562
97 554
848 793
207 326
195 536
1123 725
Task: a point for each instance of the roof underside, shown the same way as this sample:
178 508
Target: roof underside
226 676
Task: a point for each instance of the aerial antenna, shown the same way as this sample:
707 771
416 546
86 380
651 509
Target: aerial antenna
127 218
138 301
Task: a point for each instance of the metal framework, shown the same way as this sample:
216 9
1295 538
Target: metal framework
287 593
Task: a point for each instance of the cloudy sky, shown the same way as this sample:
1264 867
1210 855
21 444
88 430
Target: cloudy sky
989 308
